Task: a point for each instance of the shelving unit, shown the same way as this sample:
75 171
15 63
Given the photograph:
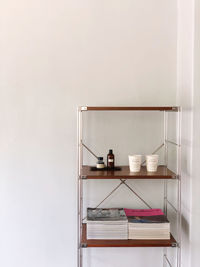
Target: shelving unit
124 174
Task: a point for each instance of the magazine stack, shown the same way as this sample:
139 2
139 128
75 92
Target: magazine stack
107 224
147 224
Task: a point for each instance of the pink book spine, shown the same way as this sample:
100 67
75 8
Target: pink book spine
143 212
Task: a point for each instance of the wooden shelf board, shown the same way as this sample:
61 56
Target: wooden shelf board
162 173
125 243
172 108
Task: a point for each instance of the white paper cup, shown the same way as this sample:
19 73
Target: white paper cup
135 163
152 163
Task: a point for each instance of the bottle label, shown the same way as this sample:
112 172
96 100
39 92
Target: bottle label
110 160
100 165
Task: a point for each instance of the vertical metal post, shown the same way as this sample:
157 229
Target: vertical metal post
165 122
165 158
179 190
80 187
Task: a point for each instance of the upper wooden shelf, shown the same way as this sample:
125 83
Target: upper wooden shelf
162 173
173 108
125 243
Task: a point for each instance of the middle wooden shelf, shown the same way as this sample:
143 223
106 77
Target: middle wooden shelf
162 173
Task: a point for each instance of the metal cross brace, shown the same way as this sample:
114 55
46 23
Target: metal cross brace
123 181
167 260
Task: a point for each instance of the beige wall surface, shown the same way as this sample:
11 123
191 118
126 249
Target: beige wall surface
54 56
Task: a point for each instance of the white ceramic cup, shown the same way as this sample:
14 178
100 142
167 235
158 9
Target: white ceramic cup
152 163
135 162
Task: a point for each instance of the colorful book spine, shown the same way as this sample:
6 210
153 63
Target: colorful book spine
143 212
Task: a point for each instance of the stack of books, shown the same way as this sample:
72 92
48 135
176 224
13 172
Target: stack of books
147 224
107 224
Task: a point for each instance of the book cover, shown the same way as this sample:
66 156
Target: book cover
113 214
148 219
143 212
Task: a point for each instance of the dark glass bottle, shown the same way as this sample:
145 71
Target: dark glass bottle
110 159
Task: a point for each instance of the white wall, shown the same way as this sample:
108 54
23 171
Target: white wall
189 98
195 232
185 99
56 55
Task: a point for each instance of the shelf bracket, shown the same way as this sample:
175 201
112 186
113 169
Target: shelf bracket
83 108
84 177
175 108
84 245
174 245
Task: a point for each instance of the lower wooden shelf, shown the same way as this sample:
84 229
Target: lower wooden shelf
124 243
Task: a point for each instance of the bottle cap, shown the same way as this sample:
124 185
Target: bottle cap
100 158
110 151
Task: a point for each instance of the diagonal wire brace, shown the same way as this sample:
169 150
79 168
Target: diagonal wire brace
124 182
107 196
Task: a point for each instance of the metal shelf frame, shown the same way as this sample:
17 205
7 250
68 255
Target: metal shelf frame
81 145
